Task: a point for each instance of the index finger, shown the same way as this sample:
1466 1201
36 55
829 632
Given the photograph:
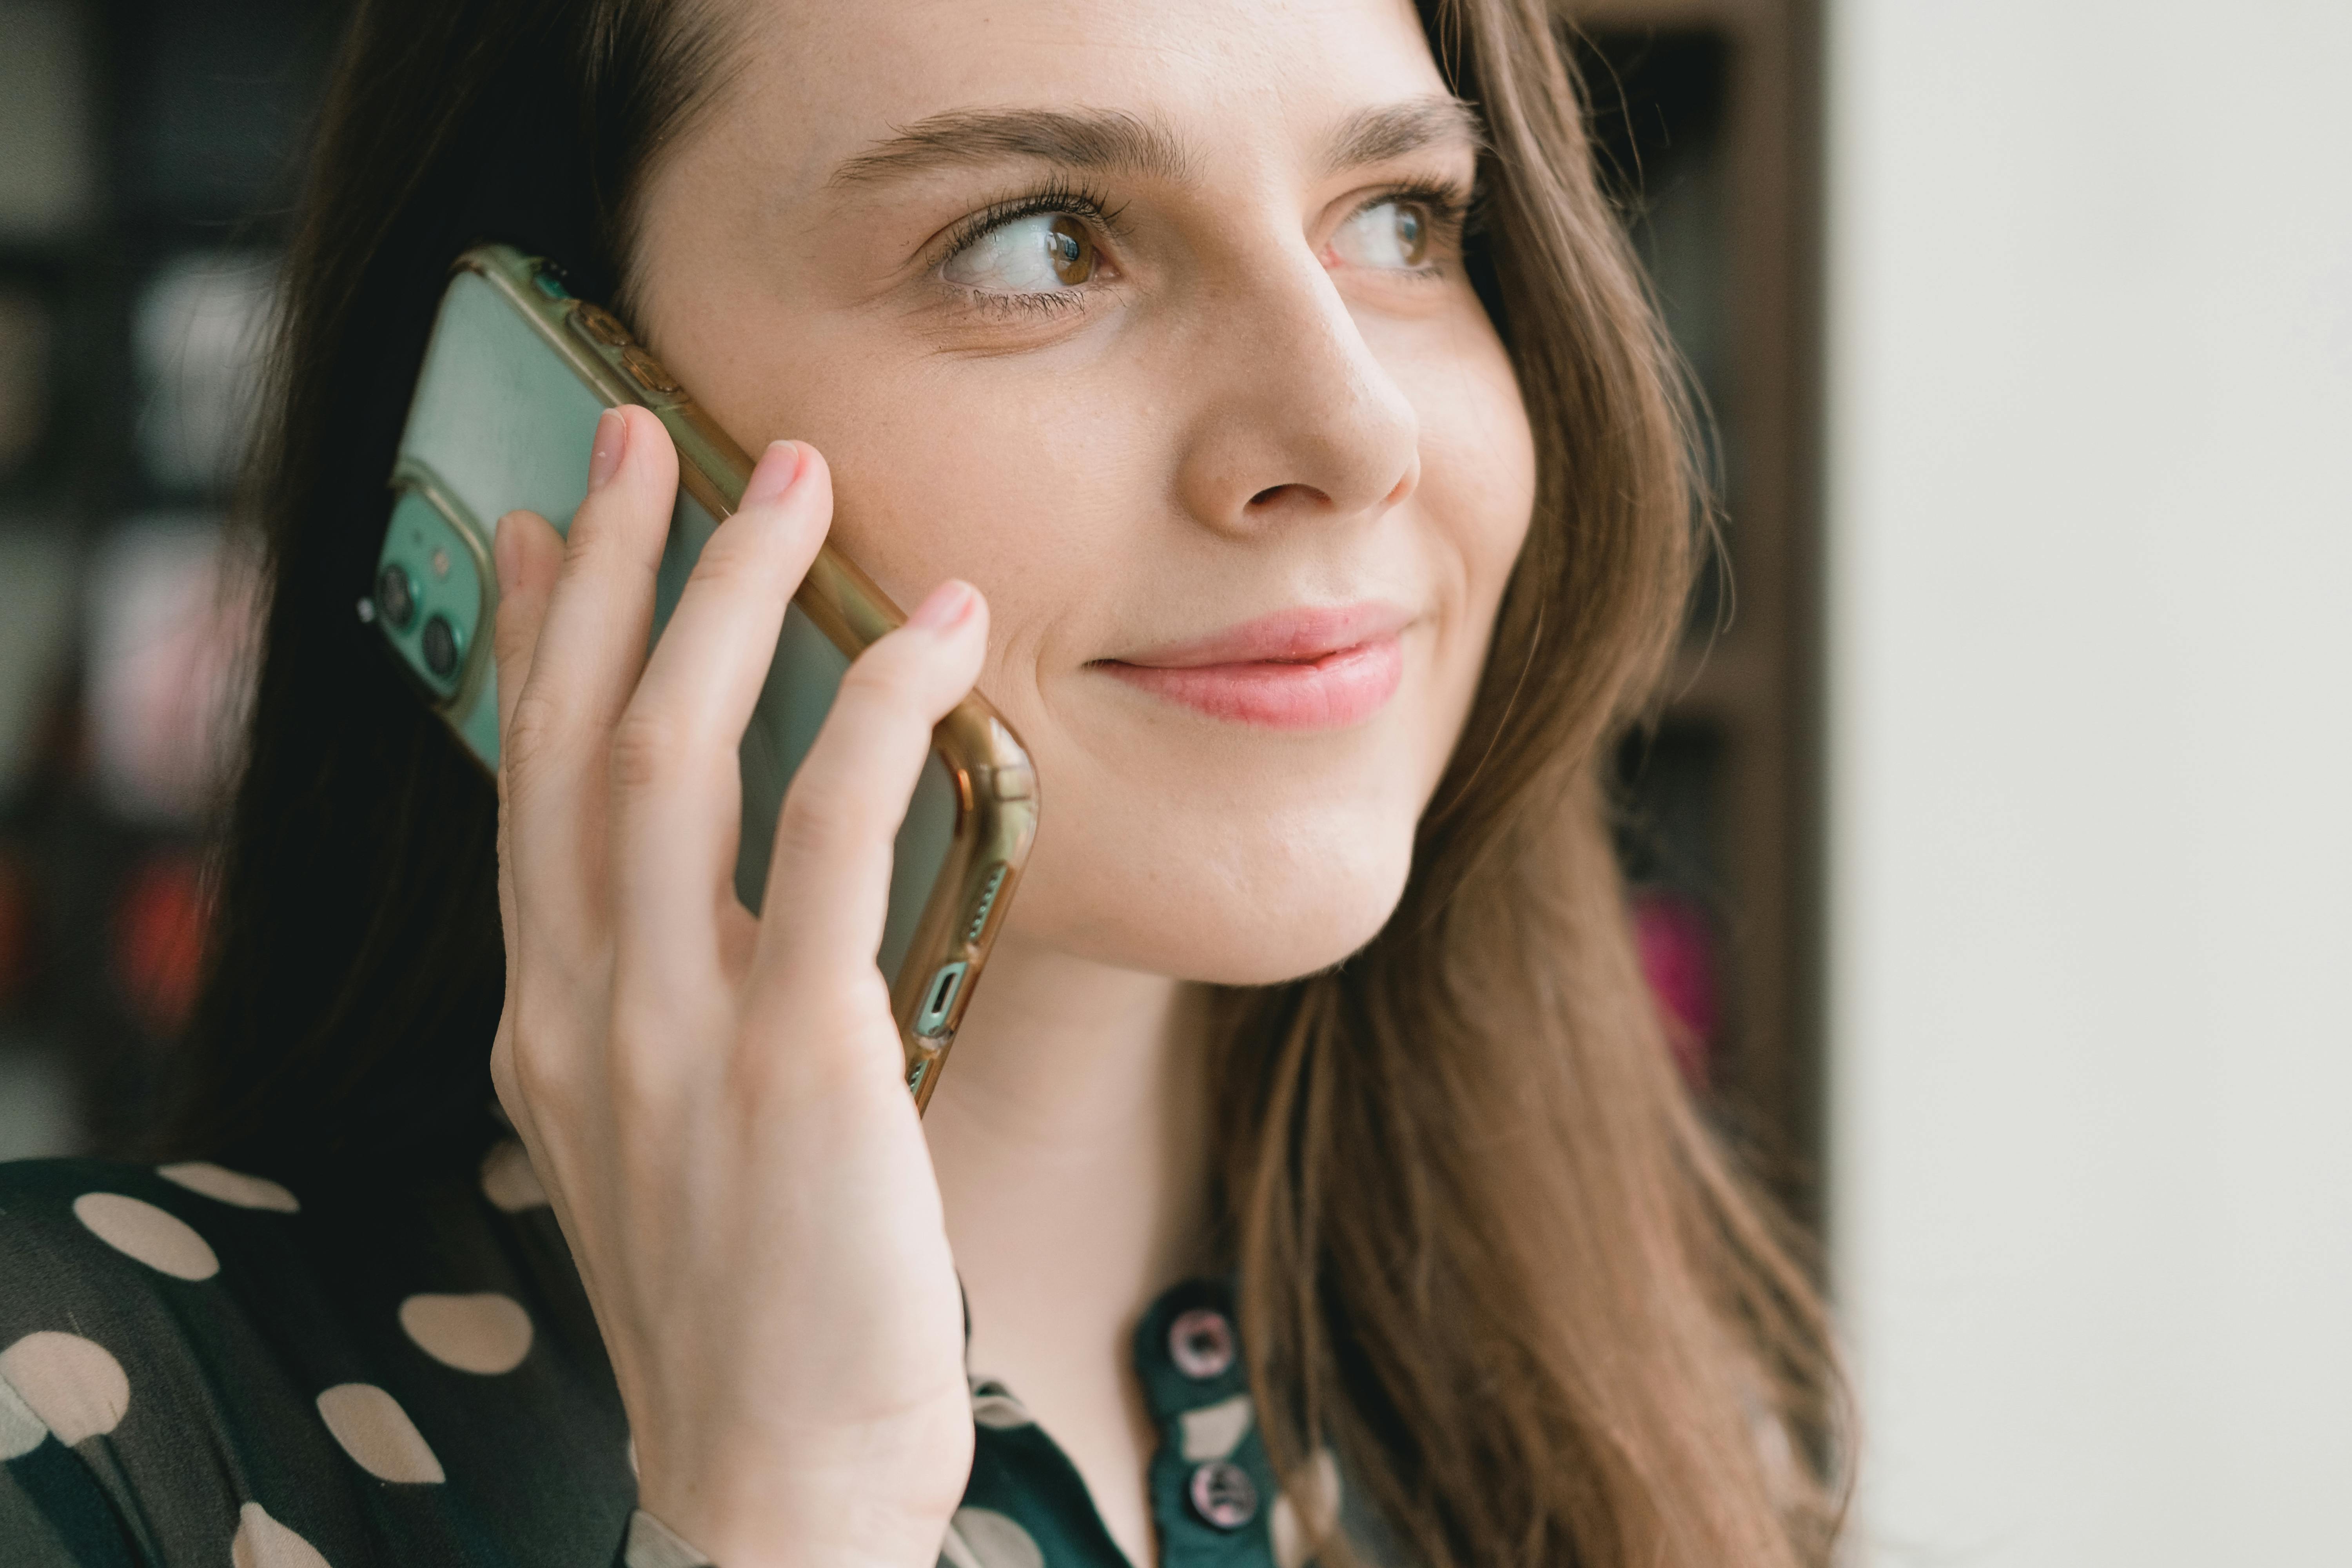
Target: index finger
588 646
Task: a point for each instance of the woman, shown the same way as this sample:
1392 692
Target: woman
1258 402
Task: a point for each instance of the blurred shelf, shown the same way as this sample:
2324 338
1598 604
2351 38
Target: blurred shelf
153 151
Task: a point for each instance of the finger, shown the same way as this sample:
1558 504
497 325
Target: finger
526 551
829 880
676 788
585 661
601 606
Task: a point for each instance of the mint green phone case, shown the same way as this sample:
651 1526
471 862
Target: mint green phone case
515 377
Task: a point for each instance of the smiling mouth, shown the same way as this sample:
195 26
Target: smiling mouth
1311 668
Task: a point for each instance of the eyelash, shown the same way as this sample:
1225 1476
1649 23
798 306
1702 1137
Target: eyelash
1454 210
1057 196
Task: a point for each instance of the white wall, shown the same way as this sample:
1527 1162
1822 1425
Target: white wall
2091 764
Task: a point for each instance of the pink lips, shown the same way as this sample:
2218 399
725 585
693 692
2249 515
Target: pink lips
1319 668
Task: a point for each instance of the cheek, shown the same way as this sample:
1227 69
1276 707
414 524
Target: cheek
1477 447
1163 845
1255 861
1006 487
1478 490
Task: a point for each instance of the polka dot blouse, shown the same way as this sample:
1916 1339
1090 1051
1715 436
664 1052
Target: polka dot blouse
198 1366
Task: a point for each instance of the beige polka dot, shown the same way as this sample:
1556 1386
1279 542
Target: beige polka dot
1319 1492
74 1387
225 1186
982 1538
377 1433
21 1431
485 1333
508 1178
163 1242
998 1410
1215 1431
263 1543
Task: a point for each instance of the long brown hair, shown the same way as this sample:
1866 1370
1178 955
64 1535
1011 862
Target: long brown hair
1489 1253
1487 1248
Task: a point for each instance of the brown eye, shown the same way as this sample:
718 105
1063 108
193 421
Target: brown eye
1391 235
1412 233
1041 253
1072 250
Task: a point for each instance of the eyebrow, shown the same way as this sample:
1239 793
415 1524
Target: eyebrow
1114 141
1083 139
1395 129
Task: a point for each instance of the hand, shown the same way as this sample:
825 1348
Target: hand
715 1102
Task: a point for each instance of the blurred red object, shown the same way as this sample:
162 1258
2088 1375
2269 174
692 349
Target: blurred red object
159 940
1676 941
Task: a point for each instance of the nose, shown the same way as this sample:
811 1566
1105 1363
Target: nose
1300 421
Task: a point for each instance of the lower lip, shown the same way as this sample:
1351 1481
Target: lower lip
1330 693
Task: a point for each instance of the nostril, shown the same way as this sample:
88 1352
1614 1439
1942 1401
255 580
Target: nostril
1273 493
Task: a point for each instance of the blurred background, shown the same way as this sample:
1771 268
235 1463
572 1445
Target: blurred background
1991 853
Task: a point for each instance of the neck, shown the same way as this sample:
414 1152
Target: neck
1069 1136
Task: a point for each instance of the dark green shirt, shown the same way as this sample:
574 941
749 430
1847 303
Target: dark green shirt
201 1367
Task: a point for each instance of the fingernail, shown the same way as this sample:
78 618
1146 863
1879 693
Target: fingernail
611 443
779 466
946 605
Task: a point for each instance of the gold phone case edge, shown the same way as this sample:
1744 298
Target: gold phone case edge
995 783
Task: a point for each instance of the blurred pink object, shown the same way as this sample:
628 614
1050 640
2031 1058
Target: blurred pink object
1676 941
170 616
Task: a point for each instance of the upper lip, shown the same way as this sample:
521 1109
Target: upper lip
1297 635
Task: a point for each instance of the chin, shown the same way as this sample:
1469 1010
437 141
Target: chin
1255 911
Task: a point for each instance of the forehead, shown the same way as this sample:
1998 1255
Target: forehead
815 81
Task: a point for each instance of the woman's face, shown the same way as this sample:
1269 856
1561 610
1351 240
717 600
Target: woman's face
1147 317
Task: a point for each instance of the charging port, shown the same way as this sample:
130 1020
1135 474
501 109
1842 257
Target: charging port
939 999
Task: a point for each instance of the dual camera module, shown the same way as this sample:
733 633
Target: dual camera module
395 601
429 590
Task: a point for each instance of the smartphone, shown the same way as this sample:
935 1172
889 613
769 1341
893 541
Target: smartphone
516 374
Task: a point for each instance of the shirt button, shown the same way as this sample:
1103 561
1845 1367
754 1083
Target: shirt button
1201 1344
1223 1495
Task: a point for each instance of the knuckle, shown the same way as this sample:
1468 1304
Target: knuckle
646 746
879 677
837 1037
509 634
586 545
728 561
537 1074
654 1041
605 543
806 828
502 1068
532 729
635 1087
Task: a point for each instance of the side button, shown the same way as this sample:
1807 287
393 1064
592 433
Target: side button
647 372
597 322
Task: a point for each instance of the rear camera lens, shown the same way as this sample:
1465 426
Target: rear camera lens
440 640
395 599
